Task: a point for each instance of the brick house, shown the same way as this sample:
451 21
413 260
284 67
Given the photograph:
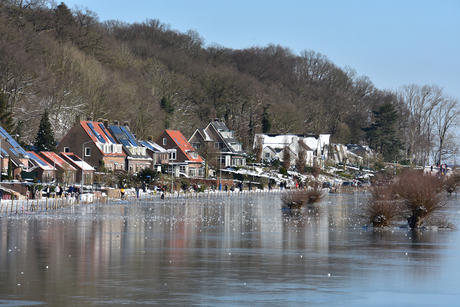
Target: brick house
65 172
83 168
136 154
10 149
182 156
94 143
39 168
159 155
227 148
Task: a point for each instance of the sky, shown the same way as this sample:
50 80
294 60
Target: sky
394 43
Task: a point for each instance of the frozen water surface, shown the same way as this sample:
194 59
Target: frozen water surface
241 251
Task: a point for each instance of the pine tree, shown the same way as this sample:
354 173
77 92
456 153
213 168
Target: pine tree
381 135
45 136
266 121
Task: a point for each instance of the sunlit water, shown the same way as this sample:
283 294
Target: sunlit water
224 252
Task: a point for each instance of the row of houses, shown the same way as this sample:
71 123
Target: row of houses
97 146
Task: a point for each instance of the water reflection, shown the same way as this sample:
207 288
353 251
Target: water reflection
240 251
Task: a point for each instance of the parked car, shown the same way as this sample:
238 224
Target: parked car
366 184
326 185
347 184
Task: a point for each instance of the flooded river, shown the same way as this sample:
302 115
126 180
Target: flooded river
239 251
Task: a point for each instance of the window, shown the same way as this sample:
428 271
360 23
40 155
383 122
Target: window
216 144
267 155
194 154
87 151
172 155
66 149
182 169
164 141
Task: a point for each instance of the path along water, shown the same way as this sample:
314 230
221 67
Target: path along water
223 251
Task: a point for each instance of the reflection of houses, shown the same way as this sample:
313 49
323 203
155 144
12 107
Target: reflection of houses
38 168
182 156
222 140
137 157
65 172
159 155
82 167
314 147
11 150
95 143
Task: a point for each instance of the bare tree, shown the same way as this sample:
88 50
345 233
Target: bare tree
445 120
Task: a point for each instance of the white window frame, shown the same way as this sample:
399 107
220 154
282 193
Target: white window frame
87 151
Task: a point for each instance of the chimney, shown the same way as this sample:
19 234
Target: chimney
106 123
126 124
89 118
77 119
150 138
115 123
216 119
100 120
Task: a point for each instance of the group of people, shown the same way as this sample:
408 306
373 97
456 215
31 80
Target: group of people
34 192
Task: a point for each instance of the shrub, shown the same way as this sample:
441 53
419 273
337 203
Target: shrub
296 199
382 208
420 195
283 171
452 183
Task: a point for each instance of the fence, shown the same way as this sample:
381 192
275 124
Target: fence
48 204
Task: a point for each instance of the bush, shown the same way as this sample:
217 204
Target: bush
452 183
296 199
283 171
382 208
420 195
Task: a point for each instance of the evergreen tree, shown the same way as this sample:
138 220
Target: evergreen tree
381 135
45 137
10 169
6 119
266 121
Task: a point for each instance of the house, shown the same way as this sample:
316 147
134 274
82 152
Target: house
11 150
39 169
95 144
136 154
182 156
218 136
65 172
274 146
83 168
159 155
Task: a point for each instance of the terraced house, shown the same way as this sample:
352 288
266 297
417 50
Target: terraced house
95 144
182 156
137 157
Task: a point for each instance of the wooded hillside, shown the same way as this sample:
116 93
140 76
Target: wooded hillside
69 63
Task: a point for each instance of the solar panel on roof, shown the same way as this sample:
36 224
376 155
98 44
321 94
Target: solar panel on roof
177 142
13 151
4 153
125 142
34 157
147 145
106 133
116 129
98 136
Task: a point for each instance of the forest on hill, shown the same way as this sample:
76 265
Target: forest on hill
69 63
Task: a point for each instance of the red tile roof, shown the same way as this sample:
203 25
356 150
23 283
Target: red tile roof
55 158
183 145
